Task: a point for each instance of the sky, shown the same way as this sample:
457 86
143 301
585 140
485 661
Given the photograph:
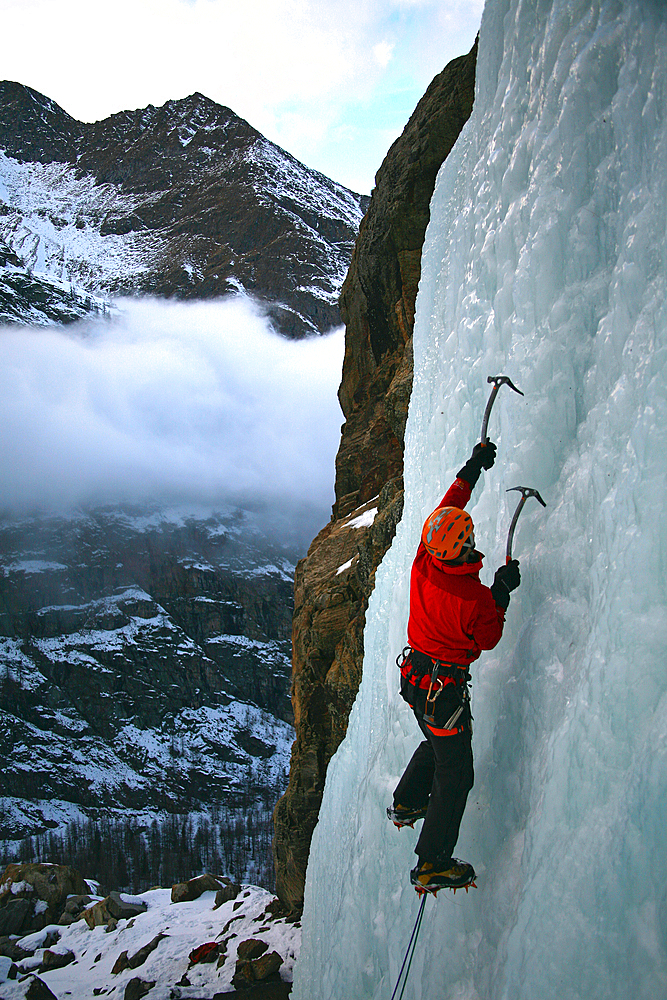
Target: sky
172 402
331 81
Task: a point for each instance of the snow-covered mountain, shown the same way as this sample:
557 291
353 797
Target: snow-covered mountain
145 649
545 259
145 662
186 201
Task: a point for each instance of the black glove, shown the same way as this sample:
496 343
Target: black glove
483 456
507 578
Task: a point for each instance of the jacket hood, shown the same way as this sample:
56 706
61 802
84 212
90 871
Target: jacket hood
463 570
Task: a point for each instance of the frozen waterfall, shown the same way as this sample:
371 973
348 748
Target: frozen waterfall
545 260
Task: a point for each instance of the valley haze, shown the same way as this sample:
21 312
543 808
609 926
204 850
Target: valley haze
174 402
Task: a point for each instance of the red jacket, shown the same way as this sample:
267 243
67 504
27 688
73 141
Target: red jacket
453 616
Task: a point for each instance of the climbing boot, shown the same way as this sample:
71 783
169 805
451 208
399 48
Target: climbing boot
449 873
405 815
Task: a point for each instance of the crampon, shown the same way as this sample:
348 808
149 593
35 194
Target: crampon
423 890
453 874
402 816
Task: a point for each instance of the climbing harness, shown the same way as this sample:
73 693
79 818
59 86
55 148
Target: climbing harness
441 676
436 686
409 953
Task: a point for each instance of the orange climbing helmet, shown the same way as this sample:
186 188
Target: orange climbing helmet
446 532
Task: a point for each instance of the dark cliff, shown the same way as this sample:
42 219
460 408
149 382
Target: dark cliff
335 580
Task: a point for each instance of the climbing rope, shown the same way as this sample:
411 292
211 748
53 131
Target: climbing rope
410 952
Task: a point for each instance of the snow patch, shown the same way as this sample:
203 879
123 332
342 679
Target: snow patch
364 520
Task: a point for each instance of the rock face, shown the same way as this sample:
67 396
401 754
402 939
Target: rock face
185 201
335 580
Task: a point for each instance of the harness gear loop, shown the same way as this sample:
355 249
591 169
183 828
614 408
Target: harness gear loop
407 656
433 692
403 656
461 679
453 719
441 674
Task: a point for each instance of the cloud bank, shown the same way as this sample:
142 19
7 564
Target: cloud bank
169 402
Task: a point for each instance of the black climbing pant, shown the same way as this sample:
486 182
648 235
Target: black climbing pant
440 774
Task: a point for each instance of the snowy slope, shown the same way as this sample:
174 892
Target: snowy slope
545 259
184 926
52 218
126 702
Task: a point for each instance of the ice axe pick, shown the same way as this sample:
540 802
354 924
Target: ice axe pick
526 492
497 380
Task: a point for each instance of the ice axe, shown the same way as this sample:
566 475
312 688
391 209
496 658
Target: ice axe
526 492
497 380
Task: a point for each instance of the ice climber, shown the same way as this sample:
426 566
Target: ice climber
453 617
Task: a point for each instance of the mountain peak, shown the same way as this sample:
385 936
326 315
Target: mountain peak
185 200
33 127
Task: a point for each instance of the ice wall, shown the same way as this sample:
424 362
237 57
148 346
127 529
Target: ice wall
545 260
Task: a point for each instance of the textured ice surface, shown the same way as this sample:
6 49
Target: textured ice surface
544 260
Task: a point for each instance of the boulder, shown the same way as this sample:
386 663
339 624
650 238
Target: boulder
112 908
7 969
250 948
56 959
139 957
254 963
10 949
15 916
266 965
243 977
186 892
120 964
34 988
41 889
122 909
74 907
97 915
52 883
134 961
137 988
227 893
